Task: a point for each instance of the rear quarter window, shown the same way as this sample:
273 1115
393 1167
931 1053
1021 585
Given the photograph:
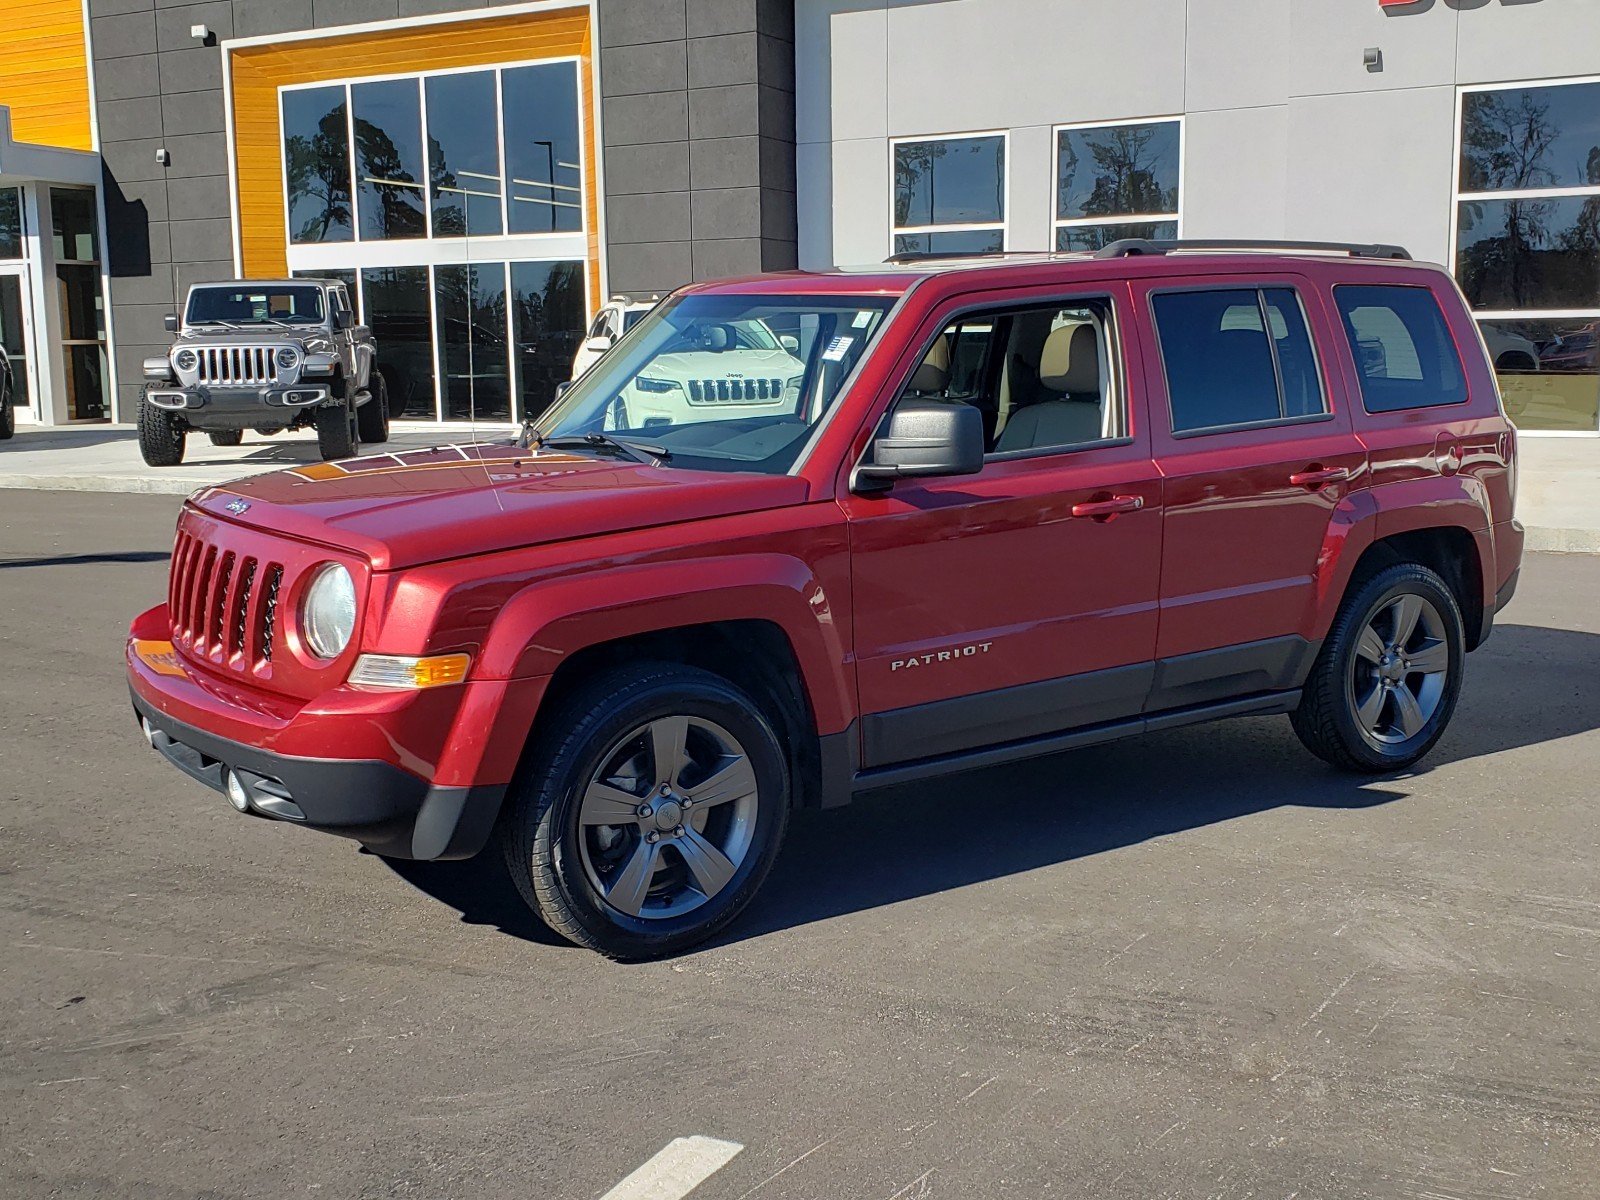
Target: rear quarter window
1403 350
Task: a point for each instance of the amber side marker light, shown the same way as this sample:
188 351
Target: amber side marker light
407 673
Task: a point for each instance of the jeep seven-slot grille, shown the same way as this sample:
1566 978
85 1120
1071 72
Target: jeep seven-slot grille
236 365
733 391
217 610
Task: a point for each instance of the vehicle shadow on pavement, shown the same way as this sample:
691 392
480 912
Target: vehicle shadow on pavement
85 560
1527 685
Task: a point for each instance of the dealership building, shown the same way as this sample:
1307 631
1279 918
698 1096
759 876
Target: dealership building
484 176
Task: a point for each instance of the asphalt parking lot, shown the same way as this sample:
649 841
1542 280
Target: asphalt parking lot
1200 964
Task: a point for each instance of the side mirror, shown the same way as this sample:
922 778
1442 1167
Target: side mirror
598 345
170 322
789 342
343 318
561 390
924 437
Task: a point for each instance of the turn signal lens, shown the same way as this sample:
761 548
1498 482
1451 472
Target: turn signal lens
402 671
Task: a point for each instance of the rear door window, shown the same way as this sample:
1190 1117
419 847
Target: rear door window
1404 353
1236 356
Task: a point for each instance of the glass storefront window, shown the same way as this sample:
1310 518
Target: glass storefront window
949 186
1531 253
1549 370
72 217
1528 245
471 336
395 304
11 223
543 153
464 154
391 197
548 311
1106 172
316 152
1097 237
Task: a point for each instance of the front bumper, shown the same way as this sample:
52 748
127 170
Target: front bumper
387 809
407 774
276 405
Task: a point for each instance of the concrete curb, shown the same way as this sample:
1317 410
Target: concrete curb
104 483
1563 541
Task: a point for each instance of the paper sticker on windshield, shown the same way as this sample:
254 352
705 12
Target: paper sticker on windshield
863 319
838 348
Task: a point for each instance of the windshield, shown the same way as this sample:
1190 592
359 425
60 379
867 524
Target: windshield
285 303
724 382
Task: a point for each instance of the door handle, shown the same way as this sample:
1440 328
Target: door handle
1318 476
1105 509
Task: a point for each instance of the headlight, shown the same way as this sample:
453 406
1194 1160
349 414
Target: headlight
328 612
185 360
287 357
646 384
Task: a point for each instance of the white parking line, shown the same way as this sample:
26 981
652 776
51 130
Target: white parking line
679 1167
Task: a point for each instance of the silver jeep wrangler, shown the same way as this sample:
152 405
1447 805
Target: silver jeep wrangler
264 355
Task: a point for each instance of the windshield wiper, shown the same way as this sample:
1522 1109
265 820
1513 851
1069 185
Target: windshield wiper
644 452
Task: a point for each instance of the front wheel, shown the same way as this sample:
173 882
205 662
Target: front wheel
1386 680
161 437
8 416
372 418
336 431
653 810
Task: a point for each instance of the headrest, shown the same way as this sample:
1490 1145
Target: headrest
1070 361
934 373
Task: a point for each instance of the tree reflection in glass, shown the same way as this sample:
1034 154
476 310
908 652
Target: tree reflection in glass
388 132
317 161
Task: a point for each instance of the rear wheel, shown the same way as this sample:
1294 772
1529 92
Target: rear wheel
8 417
372 418
653 810
336 431
1386 681
226 437
161 438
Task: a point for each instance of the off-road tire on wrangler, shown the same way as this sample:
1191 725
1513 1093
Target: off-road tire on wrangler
8 414
226 437
372 418
1361 661
557 851
161 438
336 431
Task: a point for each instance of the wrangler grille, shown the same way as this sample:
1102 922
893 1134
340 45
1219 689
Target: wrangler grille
733 391
217 611
237 365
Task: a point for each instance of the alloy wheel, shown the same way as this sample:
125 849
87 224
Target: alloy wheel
1399 668
668 817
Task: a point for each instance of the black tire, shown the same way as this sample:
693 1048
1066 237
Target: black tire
540 829
8 416
1328 719
226 437
336 431
161 437
372 418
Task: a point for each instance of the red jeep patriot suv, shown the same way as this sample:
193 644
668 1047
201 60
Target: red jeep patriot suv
800 536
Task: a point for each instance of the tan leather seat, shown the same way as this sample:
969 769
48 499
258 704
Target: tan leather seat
1069 366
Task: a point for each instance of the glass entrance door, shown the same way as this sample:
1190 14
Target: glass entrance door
15 339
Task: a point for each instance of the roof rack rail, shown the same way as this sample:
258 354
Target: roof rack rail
911 256
1132 247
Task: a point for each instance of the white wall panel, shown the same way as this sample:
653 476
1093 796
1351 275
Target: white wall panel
1375 167
1236 169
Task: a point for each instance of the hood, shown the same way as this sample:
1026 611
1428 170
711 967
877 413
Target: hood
723 364
403 510
255 335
